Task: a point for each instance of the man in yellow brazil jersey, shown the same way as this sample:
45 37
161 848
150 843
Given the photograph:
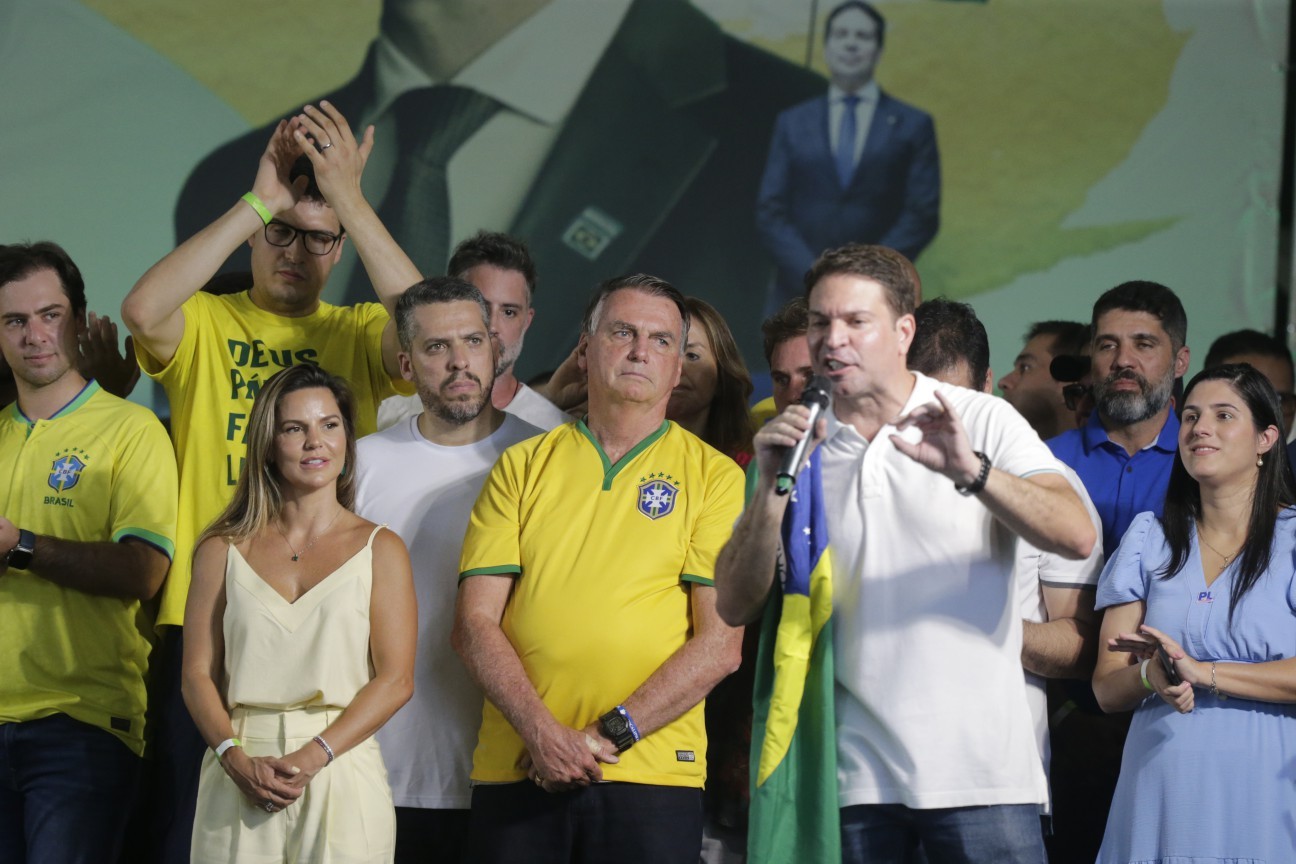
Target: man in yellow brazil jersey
586 609
87 529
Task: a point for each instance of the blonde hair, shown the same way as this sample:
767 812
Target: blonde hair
258 497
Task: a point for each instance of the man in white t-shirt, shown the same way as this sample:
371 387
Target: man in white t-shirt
501 268
1056 594
934 740
421 477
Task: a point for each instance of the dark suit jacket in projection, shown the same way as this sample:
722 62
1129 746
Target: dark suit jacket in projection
655 170
893 197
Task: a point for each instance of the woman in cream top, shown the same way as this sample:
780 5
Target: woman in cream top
299 643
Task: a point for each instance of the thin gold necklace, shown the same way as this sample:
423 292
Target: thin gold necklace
297 555
1226 558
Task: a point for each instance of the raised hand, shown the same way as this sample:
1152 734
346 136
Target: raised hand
115 370
568 386
272 185
944 447
324 135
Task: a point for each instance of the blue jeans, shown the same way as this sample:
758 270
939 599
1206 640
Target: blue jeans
999 834
66 791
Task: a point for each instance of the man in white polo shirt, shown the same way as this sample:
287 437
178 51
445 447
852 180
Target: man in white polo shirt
1060 630
421 477
934 738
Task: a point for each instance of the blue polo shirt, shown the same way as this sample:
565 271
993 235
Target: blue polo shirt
1121 486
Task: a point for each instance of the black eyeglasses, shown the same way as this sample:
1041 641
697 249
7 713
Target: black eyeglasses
1073 393
316 242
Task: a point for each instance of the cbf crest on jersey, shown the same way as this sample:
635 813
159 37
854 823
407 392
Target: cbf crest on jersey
657 493
66 471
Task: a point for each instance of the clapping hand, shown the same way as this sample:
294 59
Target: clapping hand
324 135
272 184
1144 645
115 370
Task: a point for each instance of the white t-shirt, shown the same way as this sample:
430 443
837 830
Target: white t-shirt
425 492
1034 570
527 404
536 409
930 697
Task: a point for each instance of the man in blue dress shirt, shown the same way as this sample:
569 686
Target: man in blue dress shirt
852 166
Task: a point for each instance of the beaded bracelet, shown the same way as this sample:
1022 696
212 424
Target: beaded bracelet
975 487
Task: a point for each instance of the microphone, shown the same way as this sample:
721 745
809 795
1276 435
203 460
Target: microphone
816 398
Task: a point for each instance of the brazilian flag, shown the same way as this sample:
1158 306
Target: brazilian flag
794 814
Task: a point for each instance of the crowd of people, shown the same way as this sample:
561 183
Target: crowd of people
375 598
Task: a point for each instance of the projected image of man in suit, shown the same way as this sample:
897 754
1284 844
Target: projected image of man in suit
854 165
609 136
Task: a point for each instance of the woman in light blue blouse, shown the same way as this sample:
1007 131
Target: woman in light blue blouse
1207 596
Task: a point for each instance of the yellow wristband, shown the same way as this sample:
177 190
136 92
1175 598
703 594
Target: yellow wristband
1143 675
257 205
226 745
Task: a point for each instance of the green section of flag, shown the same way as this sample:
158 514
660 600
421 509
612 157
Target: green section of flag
794 815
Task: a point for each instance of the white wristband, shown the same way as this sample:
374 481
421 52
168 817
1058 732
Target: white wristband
225 745
1143 674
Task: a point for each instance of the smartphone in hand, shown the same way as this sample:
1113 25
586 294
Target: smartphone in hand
1168 665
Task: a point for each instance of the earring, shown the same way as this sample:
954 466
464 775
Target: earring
1259 461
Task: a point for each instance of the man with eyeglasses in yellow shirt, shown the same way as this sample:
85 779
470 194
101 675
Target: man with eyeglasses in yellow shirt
212 354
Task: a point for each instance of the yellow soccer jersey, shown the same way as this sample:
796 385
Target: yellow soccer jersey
229 349
602 555
100 469
763 412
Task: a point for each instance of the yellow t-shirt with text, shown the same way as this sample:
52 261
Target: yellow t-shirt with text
602 557
229 349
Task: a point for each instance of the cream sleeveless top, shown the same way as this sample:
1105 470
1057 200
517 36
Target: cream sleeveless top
313 652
